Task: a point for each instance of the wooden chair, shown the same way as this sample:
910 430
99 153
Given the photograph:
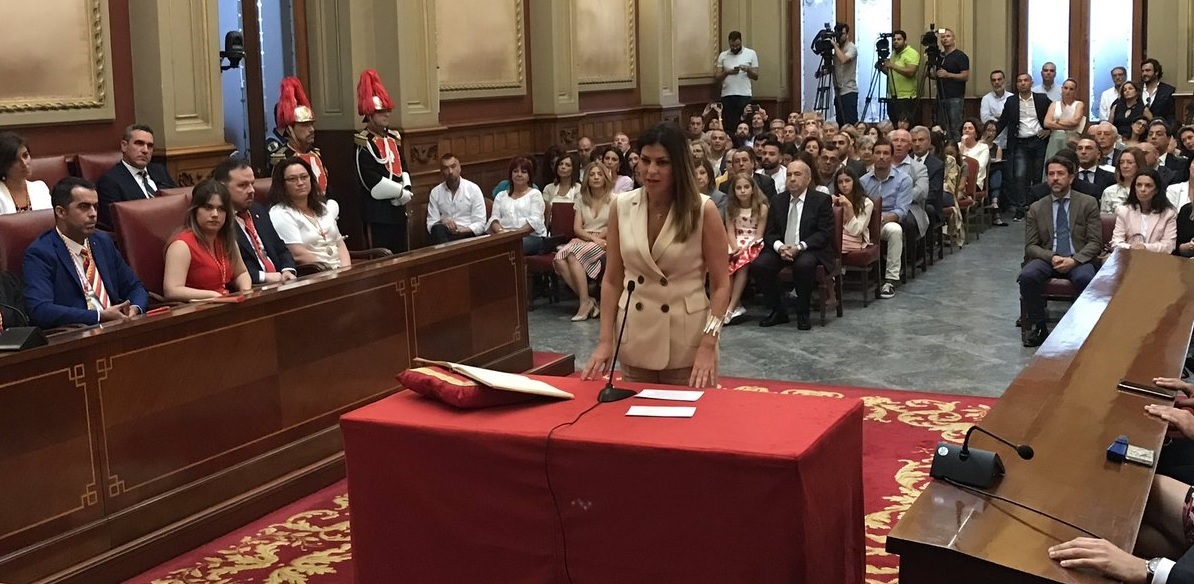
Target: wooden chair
975 218
829 279
866 260
541 273
143 228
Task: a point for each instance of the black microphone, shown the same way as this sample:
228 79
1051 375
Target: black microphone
16 310
19 338
971 466
610 393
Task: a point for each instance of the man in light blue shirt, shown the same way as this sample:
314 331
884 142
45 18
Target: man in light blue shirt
895 188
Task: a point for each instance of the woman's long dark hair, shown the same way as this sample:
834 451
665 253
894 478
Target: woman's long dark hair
277 190
857 195
200 196
686 195
1160 202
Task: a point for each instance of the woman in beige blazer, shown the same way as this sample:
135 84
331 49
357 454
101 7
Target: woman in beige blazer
666 238
1145 220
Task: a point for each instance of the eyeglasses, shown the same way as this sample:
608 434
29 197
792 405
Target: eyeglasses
298 179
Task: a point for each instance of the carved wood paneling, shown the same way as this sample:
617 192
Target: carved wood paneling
606 44
698 38
499 69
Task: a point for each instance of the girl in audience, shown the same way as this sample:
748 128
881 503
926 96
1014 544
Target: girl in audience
565 185
856 210
618 167
1127 109
202 259
1126 168
745 220
813 146
1147 219
579 260
522 206
17 193
304 218
1066 119
971 146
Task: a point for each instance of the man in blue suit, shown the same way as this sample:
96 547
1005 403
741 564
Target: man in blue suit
73 274
268 259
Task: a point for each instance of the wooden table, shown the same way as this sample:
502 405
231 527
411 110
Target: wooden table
1134 322
124 446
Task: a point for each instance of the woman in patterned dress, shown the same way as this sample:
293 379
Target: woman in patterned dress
745 217
579 260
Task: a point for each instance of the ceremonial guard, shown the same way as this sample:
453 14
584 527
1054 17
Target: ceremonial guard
385 185
296 125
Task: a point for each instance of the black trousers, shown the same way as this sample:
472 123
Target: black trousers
765 270
440 234
847 108
731 111
391 236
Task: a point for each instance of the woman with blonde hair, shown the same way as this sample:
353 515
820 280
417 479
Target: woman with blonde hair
579 260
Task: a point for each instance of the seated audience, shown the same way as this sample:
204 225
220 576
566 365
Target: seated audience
622 142
1179 194
1063 238
565 183
827 164
1184 243
954 191
1137 133
744 161
1092 179
580 260
1126 167
522 205
705 182
1160 136
865 149
895 191
268 260
745 219
813 146
792 241
973 147
1146 220
17 193
1185 142
305 218
990 135
1126 110
134 177
699 149
617 166
856 210
73 273
769 158
203 259
584 149
456 206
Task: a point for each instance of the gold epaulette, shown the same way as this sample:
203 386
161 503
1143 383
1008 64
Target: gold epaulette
362 138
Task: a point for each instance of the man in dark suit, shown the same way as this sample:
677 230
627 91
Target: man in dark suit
1041 191
1063 236
922 152
134 177
743 161
1159 134
799 234
73 273
1156 94
1092 179
268 260
1024 119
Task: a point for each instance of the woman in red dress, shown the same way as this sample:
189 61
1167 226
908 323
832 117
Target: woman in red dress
202 259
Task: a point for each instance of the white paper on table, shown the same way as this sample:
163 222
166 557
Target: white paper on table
670 394
662 411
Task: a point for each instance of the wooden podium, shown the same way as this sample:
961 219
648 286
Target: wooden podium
1133 322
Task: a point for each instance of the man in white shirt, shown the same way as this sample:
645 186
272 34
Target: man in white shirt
719 145
456 207
736 69
772 170
1118 76
1047 86
992 104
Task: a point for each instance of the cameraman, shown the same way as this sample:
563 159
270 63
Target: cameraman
953 74
901 70
845 74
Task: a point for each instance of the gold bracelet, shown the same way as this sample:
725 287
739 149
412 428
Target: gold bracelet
713 325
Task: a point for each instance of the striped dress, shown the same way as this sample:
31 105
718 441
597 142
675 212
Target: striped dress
589 254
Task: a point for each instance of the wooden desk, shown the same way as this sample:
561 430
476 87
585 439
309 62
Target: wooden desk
124 446
1134 322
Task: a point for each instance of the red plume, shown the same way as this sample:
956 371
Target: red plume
290 99
368 88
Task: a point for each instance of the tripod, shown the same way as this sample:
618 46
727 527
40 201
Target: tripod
870 95
825 90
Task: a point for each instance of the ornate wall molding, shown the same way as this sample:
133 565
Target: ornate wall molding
698 38
463 25
598 28
68 80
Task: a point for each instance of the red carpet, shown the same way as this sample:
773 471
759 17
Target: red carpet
307 542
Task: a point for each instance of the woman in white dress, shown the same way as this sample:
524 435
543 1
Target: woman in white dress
304 219
17 193
1066 118
973 146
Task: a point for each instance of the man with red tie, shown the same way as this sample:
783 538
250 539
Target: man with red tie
268 260
295 121
73 273
385 185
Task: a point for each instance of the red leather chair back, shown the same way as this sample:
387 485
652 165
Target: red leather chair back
562 217
971 176
261 189
838 219
93 165
17 231
1108 227
876 224
176 191
143 228
49 169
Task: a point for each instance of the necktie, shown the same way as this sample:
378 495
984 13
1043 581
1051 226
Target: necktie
149 192
792 232
95 284
1061 230
262 257
1086 176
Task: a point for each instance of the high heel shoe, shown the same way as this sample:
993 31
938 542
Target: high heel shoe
596 311
586 315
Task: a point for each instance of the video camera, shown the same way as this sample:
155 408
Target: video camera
822 45
883 49
931 48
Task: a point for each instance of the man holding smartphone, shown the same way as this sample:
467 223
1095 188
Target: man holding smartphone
737 68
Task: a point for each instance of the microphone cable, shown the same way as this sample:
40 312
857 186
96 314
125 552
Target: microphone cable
981 492
547 472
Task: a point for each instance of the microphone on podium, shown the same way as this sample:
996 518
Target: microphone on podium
971 466
610 393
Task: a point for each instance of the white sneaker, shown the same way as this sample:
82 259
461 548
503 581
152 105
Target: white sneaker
887 290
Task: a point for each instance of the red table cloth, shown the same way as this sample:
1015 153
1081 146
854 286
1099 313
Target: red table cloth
755 488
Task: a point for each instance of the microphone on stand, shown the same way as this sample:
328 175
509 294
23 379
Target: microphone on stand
971 466
610 393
